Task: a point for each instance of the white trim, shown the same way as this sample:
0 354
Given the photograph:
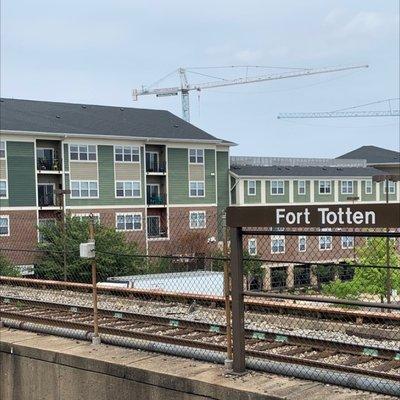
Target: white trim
127 197
85 215
133 221
291 191
126 162
252 240
347 181
7 217
204 189
278 237
107 207
25 208
277 188
5 150
347 247
197 212
192 205
79 145
319 243
298 187
248 187
84 197
305 244
6 196
312 191
365 186
196 156
330 186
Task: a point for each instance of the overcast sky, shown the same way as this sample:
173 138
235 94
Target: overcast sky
97 51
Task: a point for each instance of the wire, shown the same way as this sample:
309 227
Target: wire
208 76
366 104
251 66
292 121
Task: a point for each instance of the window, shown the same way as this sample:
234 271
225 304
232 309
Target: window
325 242
82 152
392 187
347 242
325 187
301 187
129 222
197 219
302 244
252 247
346 187
43 223
3 189
127 189
84 189
196 188
277 244
251 188
126 154
4 225
368 186
196 156
86 216
2 149
277 187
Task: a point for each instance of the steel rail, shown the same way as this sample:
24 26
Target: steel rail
120 332
259 305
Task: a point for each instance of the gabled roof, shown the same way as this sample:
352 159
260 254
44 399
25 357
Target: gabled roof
85 119
281 171
374 155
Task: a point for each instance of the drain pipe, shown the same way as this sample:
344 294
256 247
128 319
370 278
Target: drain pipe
352 381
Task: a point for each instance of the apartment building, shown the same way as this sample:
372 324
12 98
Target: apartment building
147 172
301 181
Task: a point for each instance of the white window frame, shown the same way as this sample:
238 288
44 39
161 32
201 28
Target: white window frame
305 244
124 189
3 143
344 187
278 238
6 196
123 148
368 184
248 187
272 187
252 245
82 216
325 181
133 215
196 224
197 189
79 152
303 187
198 154
344 240
324 239
80 189
7 218
392 187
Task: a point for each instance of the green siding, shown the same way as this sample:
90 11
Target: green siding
66 157
106 182
21 174
368 197
343 197
382 194
222 179
276 198
301 198
178 177
252 199
324 197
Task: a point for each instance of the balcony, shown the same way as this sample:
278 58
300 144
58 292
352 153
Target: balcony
48 165
47 200
157 235
156 167
160 200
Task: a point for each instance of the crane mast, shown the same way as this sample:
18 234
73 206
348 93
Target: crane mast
185 87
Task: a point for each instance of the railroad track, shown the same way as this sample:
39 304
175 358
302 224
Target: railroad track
359 316
301 350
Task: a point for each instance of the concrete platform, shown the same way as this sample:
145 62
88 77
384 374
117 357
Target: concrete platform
44 367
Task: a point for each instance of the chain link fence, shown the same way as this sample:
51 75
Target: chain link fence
318 304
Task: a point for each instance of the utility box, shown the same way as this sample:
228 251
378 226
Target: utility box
86 250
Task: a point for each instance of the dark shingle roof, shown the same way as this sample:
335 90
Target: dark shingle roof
374 155
53 117
277 171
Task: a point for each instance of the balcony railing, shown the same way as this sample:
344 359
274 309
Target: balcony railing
159 167
154 235
157 200
47 200
44 164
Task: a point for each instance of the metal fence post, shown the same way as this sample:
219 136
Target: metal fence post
237 300
96 337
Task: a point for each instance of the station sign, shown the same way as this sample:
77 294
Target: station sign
330 215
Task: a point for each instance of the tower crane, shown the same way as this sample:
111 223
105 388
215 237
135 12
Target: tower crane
185 87
350 112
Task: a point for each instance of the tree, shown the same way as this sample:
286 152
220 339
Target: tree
6 268
368 280
111 252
